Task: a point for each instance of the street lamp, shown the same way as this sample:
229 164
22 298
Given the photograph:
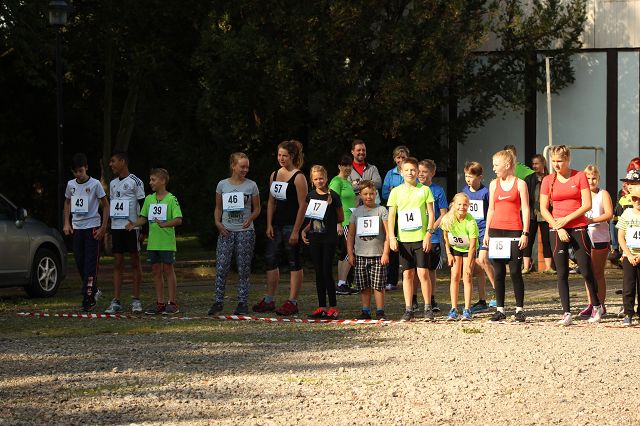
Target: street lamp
58 14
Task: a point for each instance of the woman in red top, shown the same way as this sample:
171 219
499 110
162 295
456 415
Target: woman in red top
570 196
508 225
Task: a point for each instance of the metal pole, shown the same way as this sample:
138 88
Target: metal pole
60 192
547 61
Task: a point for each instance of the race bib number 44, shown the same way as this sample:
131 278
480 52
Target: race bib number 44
409 220
233 201
279 190
368 226
632 237
158 212
80 205
316 209
119 208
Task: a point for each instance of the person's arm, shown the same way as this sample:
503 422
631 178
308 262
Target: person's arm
607 206
351 240
384 260
622 242
104 205
375 176
141 221
426 243
67 229
386 186
301 189
524 211
170 223
436 224
391 229
492 202
271 208
447 248
255 211
217 216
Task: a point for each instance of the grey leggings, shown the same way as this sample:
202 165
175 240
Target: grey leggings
240 245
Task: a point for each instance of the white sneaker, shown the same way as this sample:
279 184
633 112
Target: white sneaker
566 320
136 306
596 314
98 295
114 307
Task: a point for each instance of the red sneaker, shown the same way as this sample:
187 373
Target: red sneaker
288 308
333 313
263 306
318 313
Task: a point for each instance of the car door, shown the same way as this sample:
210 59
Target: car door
14 247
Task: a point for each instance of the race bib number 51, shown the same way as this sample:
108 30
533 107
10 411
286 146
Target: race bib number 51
368 226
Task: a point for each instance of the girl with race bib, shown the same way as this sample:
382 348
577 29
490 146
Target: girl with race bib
508 230
460 233
323 209
564 200
629 239
285 214
237 206
598 219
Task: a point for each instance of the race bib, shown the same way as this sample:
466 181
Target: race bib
409 220
316 209
119 209
476 209
368 226
79 205
233 201
462 241
157 212
632 237
500 248
279 190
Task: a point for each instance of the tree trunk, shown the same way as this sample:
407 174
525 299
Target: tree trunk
108 108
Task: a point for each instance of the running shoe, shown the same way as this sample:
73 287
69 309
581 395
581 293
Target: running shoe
566 320
479 306
493 303
241 309
364 315
98 295
408 316
344 290
621 312
114 308
498 316
333 313
453 315
171 309
597 314
88 305
549 271
466 315
380 315
434 305
627 321
215 309
287 308
136 306
318 313
414 306
264 306
156 309
520 316
428 315
390 287
586 312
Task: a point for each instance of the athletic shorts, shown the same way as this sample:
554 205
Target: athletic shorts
433 257
161 256
369 273
412 255
455 252
123 241
601 246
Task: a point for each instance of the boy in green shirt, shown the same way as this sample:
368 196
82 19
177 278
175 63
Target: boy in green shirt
162 211
409 204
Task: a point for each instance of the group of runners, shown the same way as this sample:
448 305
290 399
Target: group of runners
377 228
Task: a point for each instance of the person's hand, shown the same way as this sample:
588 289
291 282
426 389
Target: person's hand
426 244
384 260
352 260
561 222
222 230
522 244
340 230
485 240
68 229
304 239
99 234
269 232
393 244
450 260
293 239
159 223
246 223
563 235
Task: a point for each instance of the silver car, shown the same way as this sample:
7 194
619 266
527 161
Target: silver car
32 255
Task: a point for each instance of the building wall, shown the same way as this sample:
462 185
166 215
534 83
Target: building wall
612 24
628 108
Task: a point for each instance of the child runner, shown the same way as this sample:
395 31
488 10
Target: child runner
411 201
461 241
323 208
83 196
162 210
629 239
426 172
368 248
285 214
342 186
568 191
126 193
598 219
478 207
237 206
508 225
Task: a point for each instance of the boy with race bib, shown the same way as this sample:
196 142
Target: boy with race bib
83 196
368 250
162 211
629 239
411 204
461 240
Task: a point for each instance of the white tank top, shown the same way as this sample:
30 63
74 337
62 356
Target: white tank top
599 232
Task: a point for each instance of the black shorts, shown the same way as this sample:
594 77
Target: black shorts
433 257
123 241
455 252
412 255
601 246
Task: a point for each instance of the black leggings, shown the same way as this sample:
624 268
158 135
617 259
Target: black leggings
322 253
515 268
544 236
581 245
630 286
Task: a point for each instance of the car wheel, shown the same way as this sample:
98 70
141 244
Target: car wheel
45 274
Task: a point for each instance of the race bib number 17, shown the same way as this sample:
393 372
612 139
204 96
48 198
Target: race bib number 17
316 209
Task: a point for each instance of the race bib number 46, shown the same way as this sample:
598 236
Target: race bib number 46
409 220
158 212
119 208
80 205
632 237
316 209
233 201
368 226
279 190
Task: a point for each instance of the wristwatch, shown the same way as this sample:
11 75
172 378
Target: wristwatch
431 231
525 233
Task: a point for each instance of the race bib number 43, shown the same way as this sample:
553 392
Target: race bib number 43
233 201
158 212
80 205
409 220
279 190
632 237
119 208
316 209
368 226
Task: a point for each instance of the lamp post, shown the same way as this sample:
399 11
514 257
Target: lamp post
58 13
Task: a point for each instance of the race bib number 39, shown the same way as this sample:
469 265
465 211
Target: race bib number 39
119 208
233 201
80 205
500 248
279 190
409 220
157 212
368 226
476 208
316 209
632 237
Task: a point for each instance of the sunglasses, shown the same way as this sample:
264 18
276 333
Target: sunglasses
635 199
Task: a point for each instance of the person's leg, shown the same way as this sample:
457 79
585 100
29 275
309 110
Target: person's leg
515 270
629 278
393 268
378 280
598 262
295 265
156 269
546 245
483 257
91 257
454 285
136 268
272 262
172 282
467 279
316 253
365 298
224 255
328 252
582 249
425 284
560 252
500 273
528 250
244 245
78 256
118 269
408 275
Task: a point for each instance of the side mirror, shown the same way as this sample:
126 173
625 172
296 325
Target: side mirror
21 215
